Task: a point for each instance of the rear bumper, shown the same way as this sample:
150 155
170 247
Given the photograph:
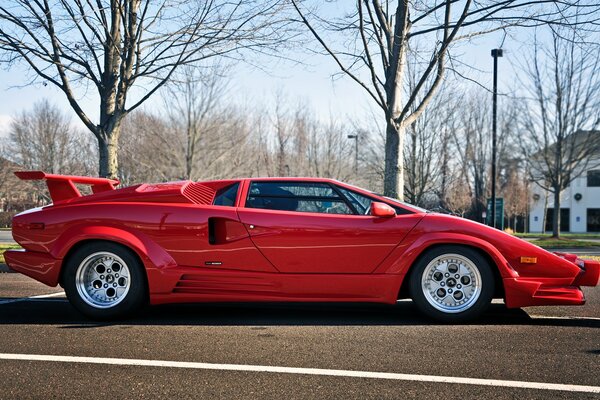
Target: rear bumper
39 266
526 291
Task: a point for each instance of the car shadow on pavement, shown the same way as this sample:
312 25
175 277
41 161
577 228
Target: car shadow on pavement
60 312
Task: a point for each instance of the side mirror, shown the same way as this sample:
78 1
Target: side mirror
382 210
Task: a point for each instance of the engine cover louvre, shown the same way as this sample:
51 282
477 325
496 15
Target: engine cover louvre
198 193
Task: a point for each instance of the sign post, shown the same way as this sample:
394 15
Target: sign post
499 213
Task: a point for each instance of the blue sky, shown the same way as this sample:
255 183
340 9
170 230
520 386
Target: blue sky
311 83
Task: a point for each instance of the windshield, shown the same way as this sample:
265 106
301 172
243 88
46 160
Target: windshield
402 203
421 209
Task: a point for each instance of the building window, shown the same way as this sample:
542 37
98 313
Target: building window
593 219
565 217
593 178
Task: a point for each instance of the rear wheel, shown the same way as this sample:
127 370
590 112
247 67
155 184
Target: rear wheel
104 280
452 284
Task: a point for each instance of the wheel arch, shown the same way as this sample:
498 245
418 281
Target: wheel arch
78 245
151 256
406 256
403 292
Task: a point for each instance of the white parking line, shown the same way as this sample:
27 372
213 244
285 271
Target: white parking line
38 297
304 371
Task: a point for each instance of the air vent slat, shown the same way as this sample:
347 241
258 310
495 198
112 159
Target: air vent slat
198 193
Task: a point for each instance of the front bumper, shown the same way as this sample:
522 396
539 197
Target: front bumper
527 291
39 266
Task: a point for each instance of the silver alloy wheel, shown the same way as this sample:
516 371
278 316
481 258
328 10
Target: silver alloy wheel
451 283
102 280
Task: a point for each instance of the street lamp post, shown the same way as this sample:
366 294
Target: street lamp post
495 53
355 137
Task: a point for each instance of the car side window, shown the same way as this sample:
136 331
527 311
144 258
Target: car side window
296 196
227 195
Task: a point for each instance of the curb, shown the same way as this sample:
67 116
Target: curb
572 249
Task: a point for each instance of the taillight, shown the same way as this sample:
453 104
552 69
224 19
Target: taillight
36 225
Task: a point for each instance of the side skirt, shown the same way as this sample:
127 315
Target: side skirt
183 285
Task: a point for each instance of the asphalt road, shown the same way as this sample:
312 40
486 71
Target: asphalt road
558 345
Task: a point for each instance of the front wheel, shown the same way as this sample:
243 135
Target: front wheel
452 284
104 280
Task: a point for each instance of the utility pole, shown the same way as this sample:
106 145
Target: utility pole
355 137
495 53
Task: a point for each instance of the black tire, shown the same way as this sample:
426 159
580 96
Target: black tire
131 300
425 295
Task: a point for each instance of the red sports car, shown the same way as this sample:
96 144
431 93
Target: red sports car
276 239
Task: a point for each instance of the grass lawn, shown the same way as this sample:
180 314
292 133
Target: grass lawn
563 243
597 258
4 246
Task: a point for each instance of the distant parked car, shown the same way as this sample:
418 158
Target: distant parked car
276 239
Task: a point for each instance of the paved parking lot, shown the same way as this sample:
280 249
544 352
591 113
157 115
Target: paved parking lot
246 351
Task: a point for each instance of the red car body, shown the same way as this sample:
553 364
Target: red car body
195 251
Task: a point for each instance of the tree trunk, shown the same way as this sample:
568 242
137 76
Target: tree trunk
444 171
556 215
108 145
413 180
545 218
393 181
189 156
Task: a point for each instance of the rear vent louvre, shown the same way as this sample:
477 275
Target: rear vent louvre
198 193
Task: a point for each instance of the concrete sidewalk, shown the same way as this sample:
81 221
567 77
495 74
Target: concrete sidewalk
6 237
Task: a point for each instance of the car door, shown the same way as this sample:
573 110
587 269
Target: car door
206 236
311 227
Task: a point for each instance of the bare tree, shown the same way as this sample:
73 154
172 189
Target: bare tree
472 144
513 188
425 149
193 107
283 137
195 135
143 155
297 143
114 46
371 44
43 138
155 148
458 200
15 194
562 114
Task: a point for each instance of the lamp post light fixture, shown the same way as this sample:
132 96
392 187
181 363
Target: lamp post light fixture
495 53
355 137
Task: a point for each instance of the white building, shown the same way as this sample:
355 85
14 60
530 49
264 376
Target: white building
579 204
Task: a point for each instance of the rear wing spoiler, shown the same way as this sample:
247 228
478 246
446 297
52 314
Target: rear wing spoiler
62 187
